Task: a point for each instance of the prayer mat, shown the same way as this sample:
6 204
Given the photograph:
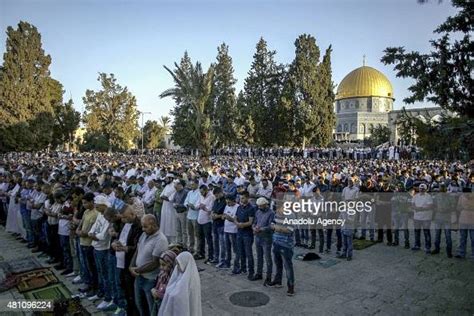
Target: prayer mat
21 265
35 279
327 263
362 244
53 292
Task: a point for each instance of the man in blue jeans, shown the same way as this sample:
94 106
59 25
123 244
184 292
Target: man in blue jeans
146 262
230 232
442 219
263 239
25 211
101 242
283 244
218 225
244 220
466 223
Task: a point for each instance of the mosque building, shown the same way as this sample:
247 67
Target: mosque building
365 99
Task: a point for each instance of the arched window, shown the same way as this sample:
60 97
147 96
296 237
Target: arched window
339 128
353 128
346 127
362 128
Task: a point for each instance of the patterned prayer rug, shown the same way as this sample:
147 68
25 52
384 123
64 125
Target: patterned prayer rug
33 280
53 292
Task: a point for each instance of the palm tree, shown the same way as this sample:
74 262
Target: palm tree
194 88
165 123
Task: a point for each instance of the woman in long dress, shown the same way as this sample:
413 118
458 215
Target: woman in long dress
183 293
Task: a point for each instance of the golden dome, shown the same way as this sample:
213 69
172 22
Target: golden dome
364 82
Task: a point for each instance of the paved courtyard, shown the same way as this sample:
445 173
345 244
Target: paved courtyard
379 280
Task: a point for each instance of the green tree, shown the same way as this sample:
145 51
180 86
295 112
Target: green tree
27 92
262 90
307 95
112 112
443 75
379 134
323 136
165 123
67 121
245 127
153 133
193 87
224 103
182 112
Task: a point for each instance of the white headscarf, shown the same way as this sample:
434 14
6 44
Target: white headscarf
183 293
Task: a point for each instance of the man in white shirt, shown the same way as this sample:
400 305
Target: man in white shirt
192 202
307 188
239 179
101 242
422 203
205 224
230 231
148 197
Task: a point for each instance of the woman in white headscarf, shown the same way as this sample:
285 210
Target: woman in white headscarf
183 293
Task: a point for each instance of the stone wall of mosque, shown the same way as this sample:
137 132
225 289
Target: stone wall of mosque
357 115
365 104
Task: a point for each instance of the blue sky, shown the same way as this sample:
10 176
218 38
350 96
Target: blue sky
134 39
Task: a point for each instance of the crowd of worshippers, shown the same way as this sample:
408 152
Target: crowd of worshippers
129 228
385 151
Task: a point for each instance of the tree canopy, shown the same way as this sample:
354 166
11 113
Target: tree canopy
31 101
111 113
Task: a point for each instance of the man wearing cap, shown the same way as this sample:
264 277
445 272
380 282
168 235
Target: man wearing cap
168 212
101 243
263 239
422 203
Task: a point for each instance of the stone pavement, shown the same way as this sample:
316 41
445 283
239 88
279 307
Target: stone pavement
379 280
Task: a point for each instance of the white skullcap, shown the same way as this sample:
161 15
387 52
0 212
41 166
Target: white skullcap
262 201
101 199
169 175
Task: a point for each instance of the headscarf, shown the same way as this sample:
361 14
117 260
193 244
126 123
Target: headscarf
183 293
169 257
